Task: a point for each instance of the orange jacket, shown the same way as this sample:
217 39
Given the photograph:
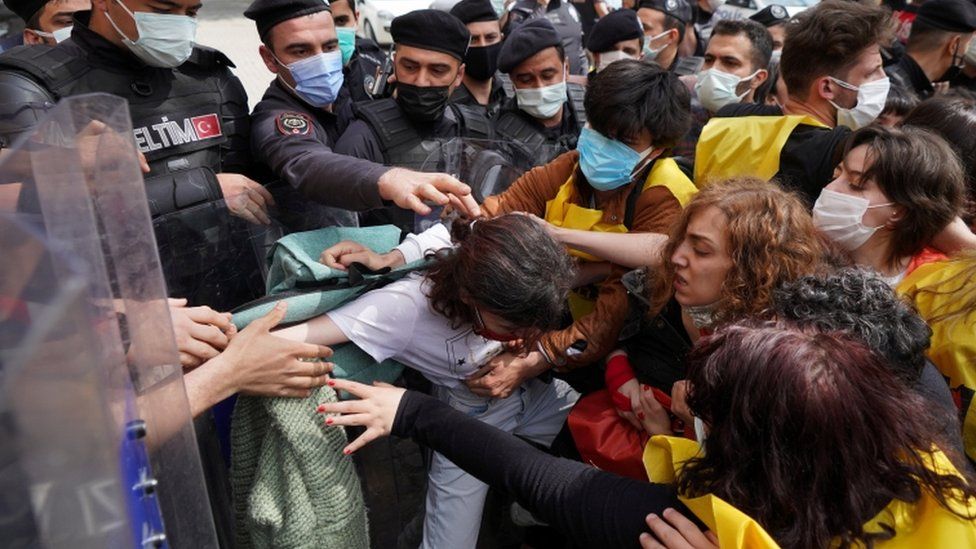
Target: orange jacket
655 211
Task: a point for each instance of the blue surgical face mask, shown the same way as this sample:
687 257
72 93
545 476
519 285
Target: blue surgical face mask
318 78
650 54
607 163
347 43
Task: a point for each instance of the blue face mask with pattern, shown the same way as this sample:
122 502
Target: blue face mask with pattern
607 163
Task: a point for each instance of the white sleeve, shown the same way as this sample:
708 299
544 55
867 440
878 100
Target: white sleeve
417 246
381 322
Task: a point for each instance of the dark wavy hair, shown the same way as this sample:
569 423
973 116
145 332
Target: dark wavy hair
860 303
917 170
810 434
509 266
771 238
629 96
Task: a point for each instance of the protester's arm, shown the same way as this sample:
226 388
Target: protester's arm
631 250
413 248
955 238
592 507
257 362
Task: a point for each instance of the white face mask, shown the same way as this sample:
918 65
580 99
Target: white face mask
651 54
164 40
716 89
60 35
871 98
839 216
542 103
701 432
715 4
609 57
775 57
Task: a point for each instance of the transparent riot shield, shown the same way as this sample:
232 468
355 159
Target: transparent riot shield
489 167
100 425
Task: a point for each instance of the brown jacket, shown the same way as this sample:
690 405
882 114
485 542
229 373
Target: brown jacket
655 211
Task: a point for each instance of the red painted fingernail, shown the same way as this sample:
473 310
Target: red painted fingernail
328 421
321 408
640 415
647 387
347 451
331 383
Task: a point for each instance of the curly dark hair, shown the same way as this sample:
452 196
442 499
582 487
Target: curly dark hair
860 303
771 238
509 266
811 435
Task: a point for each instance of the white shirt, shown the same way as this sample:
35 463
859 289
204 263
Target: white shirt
397 322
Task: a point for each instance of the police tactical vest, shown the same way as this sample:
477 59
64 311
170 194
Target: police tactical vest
403 146
180 118
512 125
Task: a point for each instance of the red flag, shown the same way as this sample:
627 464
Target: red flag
206 126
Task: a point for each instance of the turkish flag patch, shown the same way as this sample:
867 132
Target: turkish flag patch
206 126
293 123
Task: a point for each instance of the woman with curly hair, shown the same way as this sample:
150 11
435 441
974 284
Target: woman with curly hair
734 243
503 285
812 442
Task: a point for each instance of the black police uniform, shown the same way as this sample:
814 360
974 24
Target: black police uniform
191 123
564 18
496 97
360 73
514 124
383 133
292 141
907 75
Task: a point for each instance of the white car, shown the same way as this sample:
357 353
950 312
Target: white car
741 9
376 16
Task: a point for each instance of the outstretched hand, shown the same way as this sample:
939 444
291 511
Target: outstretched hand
376 409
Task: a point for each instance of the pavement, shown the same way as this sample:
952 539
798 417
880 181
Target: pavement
222 25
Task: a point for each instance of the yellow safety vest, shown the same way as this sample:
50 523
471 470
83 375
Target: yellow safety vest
953 347
744 146
921 524
562 211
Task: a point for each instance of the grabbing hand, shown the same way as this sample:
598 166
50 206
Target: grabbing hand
246 198
264 364
376 409
201 332
675 531
504 373
410 190
679 402
653 417
340 256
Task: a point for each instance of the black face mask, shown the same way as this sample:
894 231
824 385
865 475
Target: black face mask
422 104
481 63
953 71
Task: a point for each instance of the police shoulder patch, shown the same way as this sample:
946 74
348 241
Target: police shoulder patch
293 123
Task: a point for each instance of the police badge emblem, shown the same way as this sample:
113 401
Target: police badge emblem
293 123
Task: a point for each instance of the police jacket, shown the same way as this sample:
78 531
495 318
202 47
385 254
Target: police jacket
190 122
292 143
496 97
383 133
514 124
907 75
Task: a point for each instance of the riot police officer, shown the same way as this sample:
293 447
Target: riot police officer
189 115
46 21
547 112
564 18
406 129
666 22
481 85
303 112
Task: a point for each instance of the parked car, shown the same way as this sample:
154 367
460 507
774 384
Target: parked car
740 9
376 16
